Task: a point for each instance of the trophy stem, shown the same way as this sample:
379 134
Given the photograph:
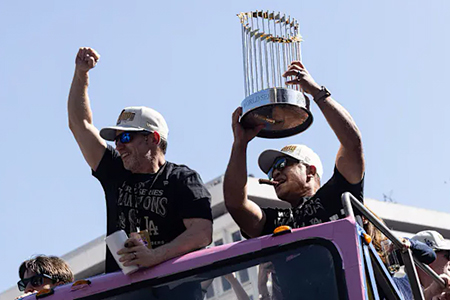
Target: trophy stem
283 44
272 56
265 53
277 45
244 61
288 45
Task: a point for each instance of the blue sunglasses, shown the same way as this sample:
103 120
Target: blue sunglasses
127 136
279 164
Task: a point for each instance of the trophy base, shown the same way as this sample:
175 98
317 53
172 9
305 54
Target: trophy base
284 112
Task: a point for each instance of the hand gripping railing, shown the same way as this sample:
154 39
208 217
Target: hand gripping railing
348 200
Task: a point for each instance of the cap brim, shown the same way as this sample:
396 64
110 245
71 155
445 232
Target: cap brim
267 157
444 247
109 133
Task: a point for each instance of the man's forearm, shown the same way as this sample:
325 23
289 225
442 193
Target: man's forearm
262 283
247 214
235 179
190 240
78 105
341 122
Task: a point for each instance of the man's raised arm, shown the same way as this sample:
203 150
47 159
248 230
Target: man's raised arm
80 115
350 158
247 214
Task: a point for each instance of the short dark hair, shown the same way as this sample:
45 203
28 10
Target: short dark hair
53 266
162 143
316 176
163 146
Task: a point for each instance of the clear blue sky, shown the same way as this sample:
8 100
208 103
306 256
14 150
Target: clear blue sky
385 61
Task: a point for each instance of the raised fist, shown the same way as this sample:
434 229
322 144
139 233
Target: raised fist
86 59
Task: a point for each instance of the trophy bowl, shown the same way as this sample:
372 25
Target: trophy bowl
284 112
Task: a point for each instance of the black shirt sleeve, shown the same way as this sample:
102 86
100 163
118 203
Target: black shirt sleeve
331 193
340 183
110 170
271 220
194 200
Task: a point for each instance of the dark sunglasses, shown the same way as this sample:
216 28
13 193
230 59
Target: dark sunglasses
36 281
127 136
279 164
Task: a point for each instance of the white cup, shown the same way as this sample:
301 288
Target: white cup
115 242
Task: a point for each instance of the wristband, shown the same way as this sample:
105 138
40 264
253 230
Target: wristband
322 94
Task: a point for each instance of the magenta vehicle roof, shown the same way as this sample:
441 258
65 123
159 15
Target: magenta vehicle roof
341 232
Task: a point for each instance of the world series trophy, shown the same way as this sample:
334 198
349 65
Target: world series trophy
270 42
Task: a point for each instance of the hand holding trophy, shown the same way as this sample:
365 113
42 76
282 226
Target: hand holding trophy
270 42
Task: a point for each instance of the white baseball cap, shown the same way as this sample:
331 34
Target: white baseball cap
299 152
137 118
433 239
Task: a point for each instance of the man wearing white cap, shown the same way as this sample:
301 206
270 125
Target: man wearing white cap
296 170
441 265
142 189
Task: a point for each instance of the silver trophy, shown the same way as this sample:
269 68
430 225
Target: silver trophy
270 42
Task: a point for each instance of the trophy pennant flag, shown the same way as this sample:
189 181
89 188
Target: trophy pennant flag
270 42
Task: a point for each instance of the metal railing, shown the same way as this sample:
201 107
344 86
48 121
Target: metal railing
348 201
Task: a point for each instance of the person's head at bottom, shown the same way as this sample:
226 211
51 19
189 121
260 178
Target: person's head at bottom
296 169
43 272
442 263
440 246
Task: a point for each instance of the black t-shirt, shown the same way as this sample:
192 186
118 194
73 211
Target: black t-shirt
325 205
156 202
